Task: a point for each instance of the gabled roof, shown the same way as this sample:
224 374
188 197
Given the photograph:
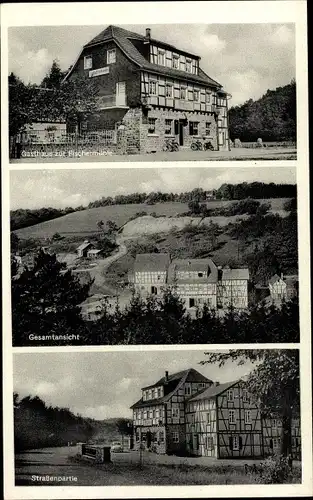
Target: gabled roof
84 245
214 390
235 274
123 38
151 262
190 375
205 266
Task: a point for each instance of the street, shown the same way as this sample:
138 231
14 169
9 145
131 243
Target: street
182 155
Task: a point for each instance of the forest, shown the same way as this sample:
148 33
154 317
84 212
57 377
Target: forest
259 190
57 426
273 117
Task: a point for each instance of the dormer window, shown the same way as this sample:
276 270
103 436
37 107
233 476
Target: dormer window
188 65
150 394
87 62
111 56
161 57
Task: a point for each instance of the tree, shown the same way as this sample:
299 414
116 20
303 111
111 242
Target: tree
54 78
274 382
112 226
124 427
194 207
45 301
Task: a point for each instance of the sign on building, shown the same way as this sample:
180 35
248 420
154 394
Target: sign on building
99 71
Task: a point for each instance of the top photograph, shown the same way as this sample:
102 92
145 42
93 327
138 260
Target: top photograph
164 92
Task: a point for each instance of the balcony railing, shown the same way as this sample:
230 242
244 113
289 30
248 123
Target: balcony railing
111 101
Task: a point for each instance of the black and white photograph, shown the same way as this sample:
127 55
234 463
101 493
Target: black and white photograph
154 256
157 418
152 92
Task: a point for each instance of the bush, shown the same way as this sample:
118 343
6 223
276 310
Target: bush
274 470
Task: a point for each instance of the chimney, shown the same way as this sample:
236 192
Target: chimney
166 376
148 33
282 276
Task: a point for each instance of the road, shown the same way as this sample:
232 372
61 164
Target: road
30 466
183 155
98 272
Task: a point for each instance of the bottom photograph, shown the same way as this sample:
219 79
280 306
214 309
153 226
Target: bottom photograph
157 417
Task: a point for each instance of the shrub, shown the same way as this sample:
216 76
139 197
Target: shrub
274 470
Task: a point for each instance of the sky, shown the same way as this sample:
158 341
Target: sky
247 59
104 385
74 187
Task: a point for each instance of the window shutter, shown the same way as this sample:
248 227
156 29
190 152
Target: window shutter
240 443
231 443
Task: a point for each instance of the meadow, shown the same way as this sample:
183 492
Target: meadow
84 223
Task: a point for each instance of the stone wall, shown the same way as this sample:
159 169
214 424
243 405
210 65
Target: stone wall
155 142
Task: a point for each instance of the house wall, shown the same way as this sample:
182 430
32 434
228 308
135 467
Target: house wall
272 431
233 292
145 280
249 435
200 292
278 290
201 436
158 436
123 70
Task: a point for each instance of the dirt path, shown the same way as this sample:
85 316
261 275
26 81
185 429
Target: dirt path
98 272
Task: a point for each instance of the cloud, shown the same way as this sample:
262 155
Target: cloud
283 35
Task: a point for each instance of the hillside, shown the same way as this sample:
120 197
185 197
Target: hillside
271 118
84 223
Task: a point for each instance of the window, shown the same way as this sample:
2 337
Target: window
209 443
87 62
144 395
154 290
208 418
161 57
248 417
139 415
276 442
152 87
135 415
274 423
207 97
161 436
235 443
175 437
153 416
157 413
150 414
145 415
150 394
200 275
193 128
175 412
168 90
230 395
111 56
159 392
187 390
188 65
175 61
151 127
168 127
137 436
245 396
196 95
231 416
182 92
156 393
207 128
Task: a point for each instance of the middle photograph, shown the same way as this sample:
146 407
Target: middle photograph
154 256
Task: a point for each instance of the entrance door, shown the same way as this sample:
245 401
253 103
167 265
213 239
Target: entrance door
181 134
120 94
195 442
191 302
149 437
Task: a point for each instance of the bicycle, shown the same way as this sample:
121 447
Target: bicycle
208 145
171 145
196 146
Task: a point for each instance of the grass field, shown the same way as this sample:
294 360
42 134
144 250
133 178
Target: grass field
84 223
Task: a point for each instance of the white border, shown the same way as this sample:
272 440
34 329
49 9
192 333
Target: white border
132 13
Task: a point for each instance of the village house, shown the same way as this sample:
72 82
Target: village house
151 91
282 288
188 414
195 281
88 250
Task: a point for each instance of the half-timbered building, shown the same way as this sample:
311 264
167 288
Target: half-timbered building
159 416
195 281
282 288
188 414
152 91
